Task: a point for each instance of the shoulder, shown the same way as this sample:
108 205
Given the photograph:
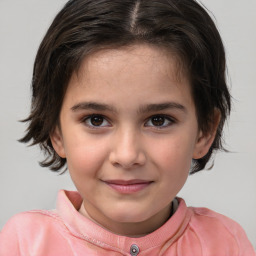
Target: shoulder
28 228
210 217
31 220
215 229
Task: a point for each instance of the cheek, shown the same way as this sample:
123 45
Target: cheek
173 156
85 157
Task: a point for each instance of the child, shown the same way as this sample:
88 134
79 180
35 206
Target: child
131 96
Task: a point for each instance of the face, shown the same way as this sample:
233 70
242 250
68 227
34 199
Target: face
128 130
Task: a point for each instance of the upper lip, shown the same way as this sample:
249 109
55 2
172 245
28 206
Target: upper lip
127 182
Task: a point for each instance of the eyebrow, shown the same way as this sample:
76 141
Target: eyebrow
93 106
162 106
143 109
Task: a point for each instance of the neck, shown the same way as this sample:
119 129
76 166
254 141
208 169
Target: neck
134 229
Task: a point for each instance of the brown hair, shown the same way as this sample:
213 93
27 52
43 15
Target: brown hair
85 26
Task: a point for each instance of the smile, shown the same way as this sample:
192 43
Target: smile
128 187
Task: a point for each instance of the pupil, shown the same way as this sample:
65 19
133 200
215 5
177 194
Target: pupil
158 120
96 120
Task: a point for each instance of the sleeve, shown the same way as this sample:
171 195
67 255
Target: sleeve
223 235
239 235
9 239
245 246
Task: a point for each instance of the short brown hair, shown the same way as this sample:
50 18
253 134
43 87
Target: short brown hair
85 26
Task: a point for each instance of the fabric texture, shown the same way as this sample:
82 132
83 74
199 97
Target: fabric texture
65 232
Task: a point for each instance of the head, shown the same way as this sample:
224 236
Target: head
83 28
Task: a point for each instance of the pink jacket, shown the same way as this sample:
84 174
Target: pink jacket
61 232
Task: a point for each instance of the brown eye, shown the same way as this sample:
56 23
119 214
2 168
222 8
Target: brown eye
158 120
96 120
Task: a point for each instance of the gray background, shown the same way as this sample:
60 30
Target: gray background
230 188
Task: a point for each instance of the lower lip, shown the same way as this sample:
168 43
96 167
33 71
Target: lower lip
129 188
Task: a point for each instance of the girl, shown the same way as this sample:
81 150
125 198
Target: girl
130 96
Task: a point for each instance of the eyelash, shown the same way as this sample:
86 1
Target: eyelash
87 119
166 119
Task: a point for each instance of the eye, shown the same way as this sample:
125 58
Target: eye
159 121
96 121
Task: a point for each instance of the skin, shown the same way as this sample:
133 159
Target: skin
124 88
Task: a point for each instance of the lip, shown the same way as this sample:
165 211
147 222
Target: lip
128 186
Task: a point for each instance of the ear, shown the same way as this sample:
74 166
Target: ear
205 140
57 142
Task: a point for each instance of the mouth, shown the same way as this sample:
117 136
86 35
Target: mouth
128 186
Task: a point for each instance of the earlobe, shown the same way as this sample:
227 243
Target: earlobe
205 140
57 142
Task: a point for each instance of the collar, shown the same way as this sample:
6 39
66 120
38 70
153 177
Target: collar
69 202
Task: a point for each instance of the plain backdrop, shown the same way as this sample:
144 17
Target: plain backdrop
229 188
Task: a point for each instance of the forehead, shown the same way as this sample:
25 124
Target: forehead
136 70
138 58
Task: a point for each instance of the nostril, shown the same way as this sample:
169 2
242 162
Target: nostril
127 161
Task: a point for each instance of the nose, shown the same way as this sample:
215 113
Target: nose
127 150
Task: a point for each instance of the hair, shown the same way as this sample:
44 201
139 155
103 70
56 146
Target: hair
82 27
